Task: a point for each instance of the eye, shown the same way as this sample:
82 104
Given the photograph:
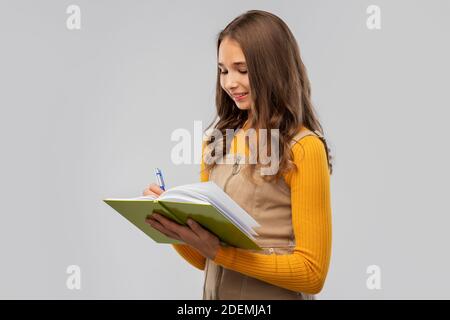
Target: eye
225 72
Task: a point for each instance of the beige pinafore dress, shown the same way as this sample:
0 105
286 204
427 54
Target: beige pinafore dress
269 203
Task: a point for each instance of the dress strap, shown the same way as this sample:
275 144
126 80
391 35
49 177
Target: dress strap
304 133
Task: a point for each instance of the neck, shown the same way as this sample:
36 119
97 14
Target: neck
249 119
246 124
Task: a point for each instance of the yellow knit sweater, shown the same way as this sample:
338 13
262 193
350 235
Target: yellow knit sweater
306 268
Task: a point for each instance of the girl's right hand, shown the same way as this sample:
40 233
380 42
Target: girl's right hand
153 189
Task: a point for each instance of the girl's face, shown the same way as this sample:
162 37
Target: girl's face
233 73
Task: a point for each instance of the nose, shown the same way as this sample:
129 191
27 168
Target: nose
230 82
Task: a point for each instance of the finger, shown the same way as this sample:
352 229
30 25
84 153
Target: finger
155 188
158 226
197 228
167 223
158 216
184 232
148 192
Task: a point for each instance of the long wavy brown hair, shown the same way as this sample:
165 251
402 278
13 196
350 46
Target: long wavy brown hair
279 85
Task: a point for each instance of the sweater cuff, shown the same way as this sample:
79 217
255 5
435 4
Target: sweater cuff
225 256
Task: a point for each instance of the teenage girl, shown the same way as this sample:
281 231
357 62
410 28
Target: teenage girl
262 83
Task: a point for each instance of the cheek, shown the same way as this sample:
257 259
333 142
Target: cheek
246 82
222 85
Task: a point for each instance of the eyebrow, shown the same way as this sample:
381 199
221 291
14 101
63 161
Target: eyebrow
239 63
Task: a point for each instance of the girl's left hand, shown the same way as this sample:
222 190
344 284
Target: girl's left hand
195 235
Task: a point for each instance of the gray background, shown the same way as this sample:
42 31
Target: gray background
88 114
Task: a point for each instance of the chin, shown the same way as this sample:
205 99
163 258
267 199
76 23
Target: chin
243 106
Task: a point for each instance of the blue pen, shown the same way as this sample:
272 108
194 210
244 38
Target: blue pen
159 178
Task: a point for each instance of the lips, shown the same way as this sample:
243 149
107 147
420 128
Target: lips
240 96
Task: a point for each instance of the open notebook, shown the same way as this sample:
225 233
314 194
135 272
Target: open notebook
205 202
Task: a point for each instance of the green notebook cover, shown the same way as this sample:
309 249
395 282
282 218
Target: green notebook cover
136 211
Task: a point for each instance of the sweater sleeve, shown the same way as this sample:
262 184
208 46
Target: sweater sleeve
306 268
189 253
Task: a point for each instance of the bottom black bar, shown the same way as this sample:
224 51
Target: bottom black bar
200 309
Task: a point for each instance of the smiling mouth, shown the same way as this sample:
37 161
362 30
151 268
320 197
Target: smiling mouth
239 96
